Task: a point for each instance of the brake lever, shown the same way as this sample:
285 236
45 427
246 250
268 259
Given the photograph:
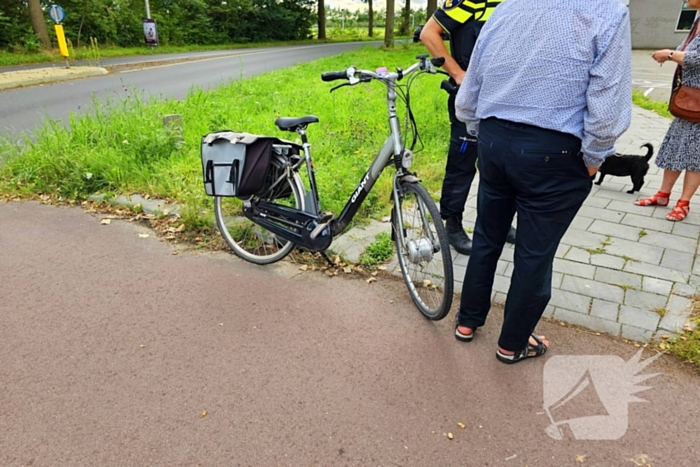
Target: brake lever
339 86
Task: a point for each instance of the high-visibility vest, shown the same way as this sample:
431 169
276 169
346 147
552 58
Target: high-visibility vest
464 10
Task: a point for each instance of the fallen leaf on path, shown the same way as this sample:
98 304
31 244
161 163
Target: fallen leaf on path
347 270
203 414
180 228
449 436
106 221
580 459
375 273
144 235
371 279
304 267
461 425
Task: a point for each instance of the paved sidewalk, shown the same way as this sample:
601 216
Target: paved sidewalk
620 269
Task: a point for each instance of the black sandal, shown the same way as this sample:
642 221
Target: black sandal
464 337
539 349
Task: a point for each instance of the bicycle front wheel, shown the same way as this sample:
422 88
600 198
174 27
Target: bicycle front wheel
423 251
248 240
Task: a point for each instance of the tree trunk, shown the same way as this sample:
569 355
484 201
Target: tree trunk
321 19
371 18
432 6
389 29
406 23
82 20
38 23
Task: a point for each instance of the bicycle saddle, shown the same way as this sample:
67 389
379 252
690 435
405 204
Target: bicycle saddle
291 124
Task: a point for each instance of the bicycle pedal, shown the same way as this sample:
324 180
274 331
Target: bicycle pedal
319 228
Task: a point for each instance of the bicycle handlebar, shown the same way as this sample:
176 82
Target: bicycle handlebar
351 73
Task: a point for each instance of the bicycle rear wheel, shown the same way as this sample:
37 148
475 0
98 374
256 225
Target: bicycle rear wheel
423 251
248 240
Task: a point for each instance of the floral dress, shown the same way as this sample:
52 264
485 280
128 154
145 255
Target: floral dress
680 149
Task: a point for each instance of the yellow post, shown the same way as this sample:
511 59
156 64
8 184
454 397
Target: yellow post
61 40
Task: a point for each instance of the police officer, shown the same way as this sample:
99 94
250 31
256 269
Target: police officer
463 20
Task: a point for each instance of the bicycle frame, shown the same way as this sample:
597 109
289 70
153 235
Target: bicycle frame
316 231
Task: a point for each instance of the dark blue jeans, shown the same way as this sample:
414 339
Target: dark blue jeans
460 168
539 174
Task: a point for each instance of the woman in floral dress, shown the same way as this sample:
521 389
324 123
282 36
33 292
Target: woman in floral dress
680 150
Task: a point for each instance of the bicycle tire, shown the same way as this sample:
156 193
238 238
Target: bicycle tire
427 273
248 240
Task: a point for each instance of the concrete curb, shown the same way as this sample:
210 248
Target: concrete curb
16 79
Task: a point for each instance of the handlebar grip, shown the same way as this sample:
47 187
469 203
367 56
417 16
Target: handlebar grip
437 61
449 87
334 75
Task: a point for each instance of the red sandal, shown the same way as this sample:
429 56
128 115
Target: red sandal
659 199
679 212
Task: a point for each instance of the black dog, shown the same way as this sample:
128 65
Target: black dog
621 165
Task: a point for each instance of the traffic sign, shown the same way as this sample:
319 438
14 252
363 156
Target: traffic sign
56 13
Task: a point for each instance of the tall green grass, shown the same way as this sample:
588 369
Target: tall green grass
123 146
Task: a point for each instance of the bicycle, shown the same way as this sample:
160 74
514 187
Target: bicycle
265 227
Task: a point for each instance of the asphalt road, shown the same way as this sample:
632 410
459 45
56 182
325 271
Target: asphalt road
23 109
116 352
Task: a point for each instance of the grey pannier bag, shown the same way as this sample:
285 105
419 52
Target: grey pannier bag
235 164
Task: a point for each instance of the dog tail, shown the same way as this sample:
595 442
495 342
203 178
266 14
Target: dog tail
650 150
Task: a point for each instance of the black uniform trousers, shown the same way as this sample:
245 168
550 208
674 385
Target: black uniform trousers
540 174
460 168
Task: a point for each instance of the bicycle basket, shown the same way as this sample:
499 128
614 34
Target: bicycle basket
237 164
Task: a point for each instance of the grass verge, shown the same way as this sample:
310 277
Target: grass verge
92 52
123 147
661 108
687 344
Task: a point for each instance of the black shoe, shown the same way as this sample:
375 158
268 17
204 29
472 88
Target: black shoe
457 237
511 235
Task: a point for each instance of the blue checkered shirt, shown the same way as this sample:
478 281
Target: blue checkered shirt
563 65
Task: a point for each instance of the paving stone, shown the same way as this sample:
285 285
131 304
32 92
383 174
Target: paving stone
459 259
615 230
507 253
685 230
593 289
645 300
639 317
562 249
578 254
570 301
581 223
655 271
664 240
627 206
636 334
573 268
683 289
557 278
582 238
501 283
623 199
608 261
695 280
680 261
594 202
647 223
599 213
502 266
499 298
680 305
604 309
646 253
673 322
509 270
458 273
611 276
657 286
591 322
549 312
